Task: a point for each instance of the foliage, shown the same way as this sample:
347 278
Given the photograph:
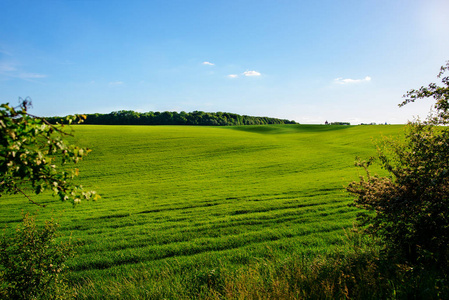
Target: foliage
32 262
340 123
31 149
439 93
128 117
409 209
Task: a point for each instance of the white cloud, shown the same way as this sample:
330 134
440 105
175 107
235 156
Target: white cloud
350 81
3 51
115 83
11 71
4 67
208 63
233 75
251 73
30 75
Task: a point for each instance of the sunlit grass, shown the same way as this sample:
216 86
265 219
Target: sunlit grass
179 201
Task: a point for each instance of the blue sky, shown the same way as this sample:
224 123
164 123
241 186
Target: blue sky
309 61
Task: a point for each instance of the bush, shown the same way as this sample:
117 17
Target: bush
409 209
32 262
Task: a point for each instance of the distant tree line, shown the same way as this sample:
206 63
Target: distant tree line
129 117
340 123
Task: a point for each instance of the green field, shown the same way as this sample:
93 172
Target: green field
180 201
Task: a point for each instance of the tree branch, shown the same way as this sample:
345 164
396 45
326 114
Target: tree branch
23 193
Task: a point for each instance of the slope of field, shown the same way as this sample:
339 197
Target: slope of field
181 200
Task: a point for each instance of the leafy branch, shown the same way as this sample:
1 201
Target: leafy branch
34 154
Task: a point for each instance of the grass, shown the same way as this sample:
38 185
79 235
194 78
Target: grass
180 203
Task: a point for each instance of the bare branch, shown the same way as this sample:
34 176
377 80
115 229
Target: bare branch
23 193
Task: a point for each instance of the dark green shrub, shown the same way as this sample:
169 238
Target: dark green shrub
408 210
32 262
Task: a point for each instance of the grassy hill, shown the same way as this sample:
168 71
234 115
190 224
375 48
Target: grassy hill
179 202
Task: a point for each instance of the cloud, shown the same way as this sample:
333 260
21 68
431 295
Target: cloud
208 63
246 73
30 75
251 73
3 51
350 81
116 83
11 71
4 67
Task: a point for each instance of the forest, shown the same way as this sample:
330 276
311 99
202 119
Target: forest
129 117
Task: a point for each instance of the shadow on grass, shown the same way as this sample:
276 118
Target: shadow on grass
286 129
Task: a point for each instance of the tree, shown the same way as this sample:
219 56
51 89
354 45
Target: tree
409 209
439 93
33 262
33 155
